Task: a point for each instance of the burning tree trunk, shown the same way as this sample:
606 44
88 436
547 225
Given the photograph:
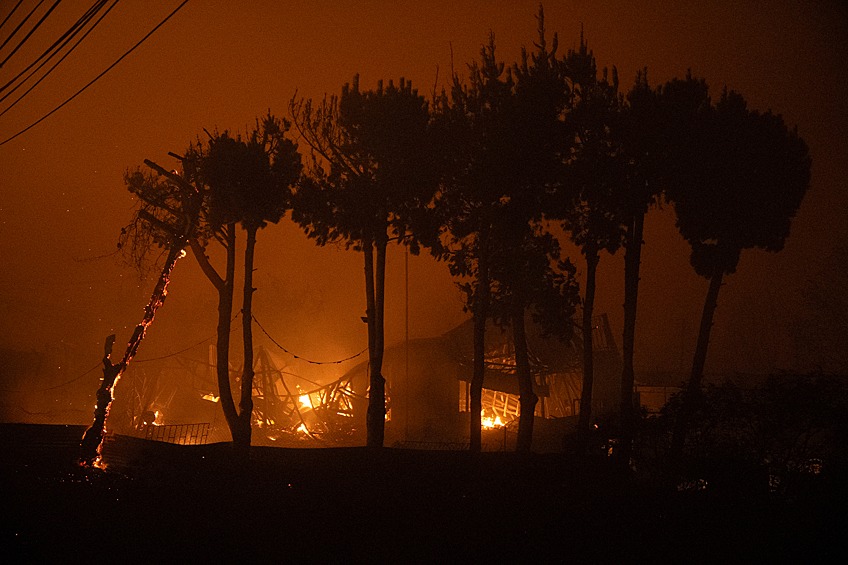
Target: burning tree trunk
177 229
93 438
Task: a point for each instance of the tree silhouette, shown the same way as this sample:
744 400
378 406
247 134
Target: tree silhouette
523 265
473 125
369 181
501 133
744 181
238 181
524 279
249 182
585 199
641 138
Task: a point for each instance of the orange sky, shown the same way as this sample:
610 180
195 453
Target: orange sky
221 64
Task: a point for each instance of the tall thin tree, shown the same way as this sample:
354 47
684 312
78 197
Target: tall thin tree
369 179
640 135
250 181
584 200
742 183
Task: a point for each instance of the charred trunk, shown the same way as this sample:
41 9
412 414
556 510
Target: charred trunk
527 398
93 437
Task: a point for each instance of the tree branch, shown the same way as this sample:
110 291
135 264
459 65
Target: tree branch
205 265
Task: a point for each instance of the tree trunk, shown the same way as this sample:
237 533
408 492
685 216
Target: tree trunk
480 313
225 287
585 420
374 293
693 387
225 317
632 261
246 399
527 398
93 437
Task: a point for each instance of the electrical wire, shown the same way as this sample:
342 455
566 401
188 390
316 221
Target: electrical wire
210 338
75 379
11 13
54 49
51 69
95 79
275 342
20 25
27 36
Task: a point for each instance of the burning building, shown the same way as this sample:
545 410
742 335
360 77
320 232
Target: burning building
428 382
428 392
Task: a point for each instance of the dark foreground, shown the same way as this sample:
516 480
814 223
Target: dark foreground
166 503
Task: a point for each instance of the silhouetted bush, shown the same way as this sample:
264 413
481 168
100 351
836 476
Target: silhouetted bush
791 425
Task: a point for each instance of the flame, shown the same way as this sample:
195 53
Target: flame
305 401
211 397
302 429
490 423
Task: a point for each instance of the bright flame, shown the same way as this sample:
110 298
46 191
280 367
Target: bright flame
305 401
302 429
489 423
211 397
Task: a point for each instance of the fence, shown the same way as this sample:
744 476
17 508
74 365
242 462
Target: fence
183 434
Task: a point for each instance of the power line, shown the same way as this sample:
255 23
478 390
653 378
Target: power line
35 27
282 372
57 45
11 13
95 79
20 25
45 75
275 342
174 354
75 379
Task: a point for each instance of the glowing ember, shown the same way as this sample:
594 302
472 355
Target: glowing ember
211 397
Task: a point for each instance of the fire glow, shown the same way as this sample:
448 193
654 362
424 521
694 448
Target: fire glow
489 422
